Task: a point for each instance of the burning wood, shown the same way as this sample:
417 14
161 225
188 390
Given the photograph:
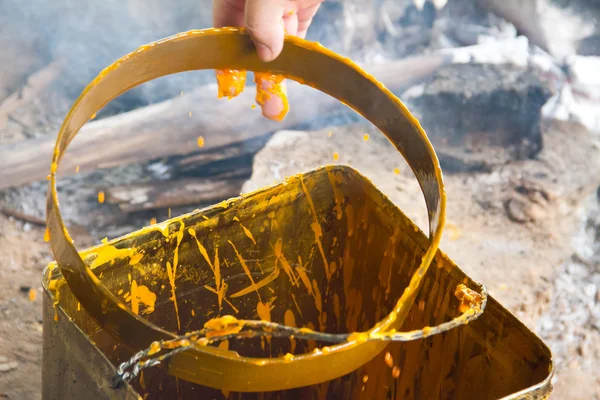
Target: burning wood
174 193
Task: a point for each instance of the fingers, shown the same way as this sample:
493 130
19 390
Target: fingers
230 82
263 20
271 95
290 22
271 91
305 17
229 13
266 22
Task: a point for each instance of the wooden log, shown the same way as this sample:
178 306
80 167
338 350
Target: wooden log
203 177
215 162
174 193
166 128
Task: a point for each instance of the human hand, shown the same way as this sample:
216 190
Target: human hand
267 21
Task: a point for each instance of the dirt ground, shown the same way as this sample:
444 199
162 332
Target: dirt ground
539 269
23 258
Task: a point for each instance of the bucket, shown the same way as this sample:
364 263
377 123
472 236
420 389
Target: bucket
318 287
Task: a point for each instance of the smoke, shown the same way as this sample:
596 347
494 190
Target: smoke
89 35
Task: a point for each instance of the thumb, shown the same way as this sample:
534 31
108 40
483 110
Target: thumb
264 22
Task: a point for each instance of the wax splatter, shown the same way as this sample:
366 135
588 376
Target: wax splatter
297 305
141 295
280 259
389 361
290 320
224 325
264 310
246 230
335 180
319 304
220 285
136 259
316 227
255 286
230 82
171 274
224 345
469 299
304 278
268 85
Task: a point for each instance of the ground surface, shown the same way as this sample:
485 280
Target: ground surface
528 230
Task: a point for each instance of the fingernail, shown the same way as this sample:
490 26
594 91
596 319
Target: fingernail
264 52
